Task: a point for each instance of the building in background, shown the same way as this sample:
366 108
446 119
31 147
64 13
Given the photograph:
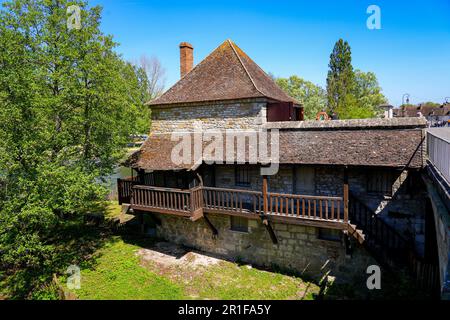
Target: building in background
437 116
348 193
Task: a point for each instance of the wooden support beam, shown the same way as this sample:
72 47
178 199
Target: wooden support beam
197 215
211 226
264 191
265 221
269 228
338 225
348 244
346 195
142 223
200 179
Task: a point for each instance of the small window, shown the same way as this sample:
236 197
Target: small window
242 176
329 234
239 224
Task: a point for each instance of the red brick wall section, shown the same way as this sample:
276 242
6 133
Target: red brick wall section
186 58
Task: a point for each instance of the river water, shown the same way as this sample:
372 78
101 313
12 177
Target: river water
111 181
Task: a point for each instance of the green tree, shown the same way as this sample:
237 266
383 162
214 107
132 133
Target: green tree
351 94
68 104
312 97
364 99
340 79
368 92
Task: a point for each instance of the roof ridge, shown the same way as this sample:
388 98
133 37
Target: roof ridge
243 65
201 62
198 64
225 73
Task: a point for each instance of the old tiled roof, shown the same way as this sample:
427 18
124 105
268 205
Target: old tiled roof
384 148
155 154
425 110
375 142
226 74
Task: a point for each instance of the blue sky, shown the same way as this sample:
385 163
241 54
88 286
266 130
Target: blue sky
410 54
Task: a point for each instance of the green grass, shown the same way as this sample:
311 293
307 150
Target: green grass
117 273
114 210
112 270
228 281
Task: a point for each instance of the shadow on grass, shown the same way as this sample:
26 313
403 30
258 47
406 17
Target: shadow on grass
395 285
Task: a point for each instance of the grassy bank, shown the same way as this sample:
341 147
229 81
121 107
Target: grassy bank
119 273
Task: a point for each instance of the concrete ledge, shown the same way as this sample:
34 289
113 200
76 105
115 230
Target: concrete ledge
352 124
442 224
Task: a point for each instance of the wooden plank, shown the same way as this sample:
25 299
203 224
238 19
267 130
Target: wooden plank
159 210
269 229
264 195
346 194
211 226
303 207
304 196
245 214
308 222
332 209
320 209
197 215
309 208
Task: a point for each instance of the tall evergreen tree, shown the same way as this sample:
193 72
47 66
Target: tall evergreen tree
340 80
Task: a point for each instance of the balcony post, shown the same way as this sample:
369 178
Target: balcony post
191 201
119 191
346 199
264 216
265 200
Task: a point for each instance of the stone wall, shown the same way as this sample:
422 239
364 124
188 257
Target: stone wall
299 248
282 182
405 211
237 115
439 200
371 123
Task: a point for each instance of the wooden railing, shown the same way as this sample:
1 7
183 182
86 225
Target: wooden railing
162 199
381 239
285 205
196 196
310 207
391 248
232 200
124 188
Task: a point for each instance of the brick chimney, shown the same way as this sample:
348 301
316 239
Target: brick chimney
186 58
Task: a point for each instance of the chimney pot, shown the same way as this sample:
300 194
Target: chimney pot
186 58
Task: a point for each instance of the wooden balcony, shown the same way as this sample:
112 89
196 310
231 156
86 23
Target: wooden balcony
327 212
